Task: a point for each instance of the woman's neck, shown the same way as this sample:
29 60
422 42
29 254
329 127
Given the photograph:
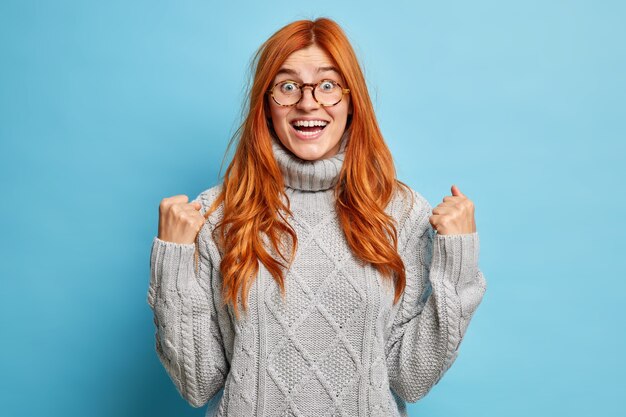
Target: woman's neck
300 174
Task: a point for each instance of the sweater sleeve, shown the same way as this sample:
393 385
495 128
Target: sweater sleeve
444 287
188 338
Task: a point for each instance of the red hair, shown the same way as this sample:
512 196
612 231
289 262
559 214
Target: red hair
253 184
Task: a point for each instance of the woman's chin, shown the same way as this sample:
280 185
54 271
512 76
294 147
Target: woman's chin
308 154
311 149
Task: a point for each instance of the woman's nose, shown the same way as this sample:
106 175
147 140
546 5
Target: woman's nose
307 102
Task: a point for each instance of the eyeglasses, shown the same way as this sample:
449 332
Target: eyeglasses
289 93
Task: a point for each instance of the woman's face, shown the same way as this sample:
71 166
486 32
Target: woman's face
310 65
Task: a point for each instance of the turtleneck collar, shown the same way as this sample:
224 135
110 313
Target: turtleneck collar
301 174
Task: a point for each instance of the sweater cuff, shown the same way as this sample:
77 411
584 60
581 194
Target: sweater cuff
171 265
457 255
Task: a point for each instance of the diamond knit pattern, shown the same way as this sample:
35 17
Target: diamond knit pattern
313 354
336 345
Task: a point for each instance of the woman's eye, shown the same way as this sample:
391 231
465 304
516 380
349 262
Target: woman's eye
289 87
327 85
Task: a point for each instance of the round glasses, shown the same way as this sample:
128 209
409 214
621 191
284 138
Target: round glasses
289 93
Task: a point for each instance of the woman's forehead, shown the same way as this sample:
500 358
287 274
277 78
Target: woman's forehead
310 61
312 53
302 71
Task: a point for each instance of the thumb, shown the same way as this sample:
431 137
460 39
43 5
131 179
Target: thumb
455 191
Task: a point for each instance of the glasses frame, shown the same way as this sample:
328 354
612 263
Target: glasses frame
313 86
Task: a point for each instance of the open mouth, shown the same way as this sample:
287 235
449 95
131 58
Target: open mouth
312 128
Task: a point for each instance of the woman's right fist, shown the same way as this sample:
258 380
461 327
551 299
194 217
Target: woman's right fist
179 220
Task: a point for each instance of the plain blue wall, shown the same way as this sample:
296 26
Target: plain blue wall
107 107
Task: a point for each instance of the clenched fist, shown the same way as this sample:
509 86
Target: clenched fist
179 220
455 215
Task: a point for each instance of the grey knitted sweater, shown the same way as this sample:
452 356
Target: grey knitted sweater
337 346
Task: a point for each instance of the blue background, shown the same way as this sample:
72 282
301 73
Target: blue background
107 107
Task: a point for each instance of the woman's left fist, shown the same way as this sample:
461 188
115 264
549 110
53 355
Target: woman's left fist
455 215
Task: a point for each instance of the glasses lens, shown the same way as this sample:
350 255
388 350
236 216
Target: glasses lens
328 93
286 93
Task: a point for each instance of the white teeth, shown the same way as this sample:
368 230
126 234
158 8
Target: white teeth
310 123
309 133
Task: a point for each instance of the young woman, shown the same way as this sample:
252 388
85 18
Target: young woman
311 281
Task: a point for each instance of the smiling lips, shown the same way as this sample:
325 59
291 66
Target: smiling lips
309 128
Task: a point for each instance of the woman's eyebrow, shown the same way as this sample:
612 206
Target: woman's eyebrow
296 73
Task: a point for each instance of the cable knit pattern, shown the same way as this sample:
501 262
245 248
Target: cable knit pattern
336 346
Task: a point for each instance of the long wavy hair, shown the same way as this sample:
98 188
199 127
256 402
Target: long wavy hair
253 188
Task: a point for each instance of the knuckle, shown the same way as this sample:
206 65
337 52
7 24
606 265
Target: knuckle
176 209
